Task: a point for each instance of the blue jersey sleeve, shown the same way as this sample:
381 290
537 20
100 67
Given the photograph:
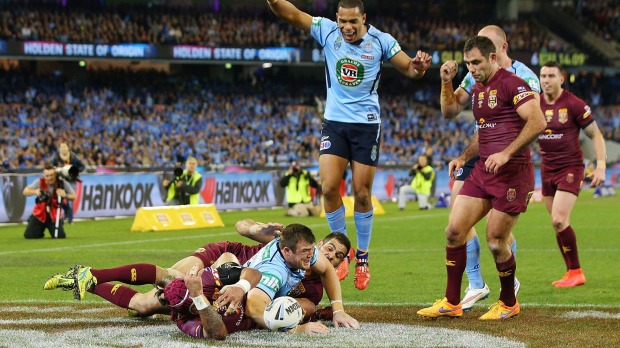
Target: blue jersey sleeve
391 45
321 27
274 276
467 83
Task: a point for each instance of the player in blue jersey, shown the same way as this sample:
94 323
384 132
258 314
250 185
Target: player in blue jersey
283 263
452 103
351 132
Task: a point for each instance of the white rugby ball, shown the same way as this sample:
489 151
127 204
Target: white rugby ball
283 314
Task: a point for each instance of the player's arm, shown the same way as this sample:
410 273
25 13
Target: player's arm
413 68
594 133
291 14
326 270
212 324
534 124
235 287
452 102
472 150
258 231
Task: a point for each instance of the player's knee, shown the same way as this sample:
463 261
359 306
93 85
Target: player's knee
144 305
559 223
454 235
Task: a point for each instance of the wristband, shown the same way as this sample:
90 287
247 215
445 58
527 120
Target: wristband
340 310
199 302
600 164
244 284
335 301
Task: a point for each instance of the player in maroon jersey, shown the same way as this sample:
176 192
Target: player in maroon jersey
562 168
508 119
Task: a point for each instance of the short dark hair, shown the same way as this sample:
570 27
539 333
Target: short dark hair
352 4
294 233
340 237
554 64
48 166
483 43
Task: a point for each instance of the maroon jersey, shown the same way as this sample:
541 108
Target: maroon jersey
209 253
559 143
310 287
494 106
188 320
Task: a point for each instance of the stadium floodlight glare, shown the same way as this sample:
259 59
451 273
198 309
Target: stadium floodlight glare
82 63
228 66
267 65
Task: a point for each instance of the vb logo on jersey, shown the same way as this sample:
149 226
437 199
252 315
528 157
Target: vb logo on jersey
350 73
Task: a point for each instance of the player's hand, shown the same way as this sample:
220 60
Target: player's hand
266 229
421 62
454 166
341 318
495 162
597 176
448 70
230 295
193 280
311 327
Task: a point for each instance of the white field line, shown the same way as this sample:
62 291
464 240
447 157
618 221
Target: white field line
351 304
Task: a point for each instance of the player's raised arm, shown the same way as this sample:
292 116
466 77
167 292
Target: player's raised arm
452 102
413 68
291 14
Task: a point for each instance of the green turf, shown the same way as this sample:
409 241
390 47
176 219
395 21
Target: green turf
406 256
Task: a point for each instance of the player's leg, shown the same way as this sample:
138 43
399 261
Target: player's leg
548 200
363 214
499 226
331 169
563 204
465 213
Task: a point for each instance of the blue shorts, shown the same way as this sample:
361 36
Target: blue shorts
354 141
463 173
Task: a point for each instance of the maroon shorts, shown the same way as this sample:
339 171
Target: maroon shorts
209 253
567 179
509 190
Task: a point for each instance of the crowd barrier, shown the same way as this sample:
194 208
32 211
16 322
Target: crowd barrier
122 194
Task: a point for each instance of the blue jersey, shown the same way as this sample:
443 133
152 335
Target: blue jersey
278 278
517 68
352 71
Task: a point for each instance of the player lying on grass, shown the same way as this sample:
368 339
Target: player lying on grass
333 249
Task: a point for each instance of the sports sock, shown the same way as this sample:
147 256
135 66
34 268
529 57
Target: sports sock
137 273
564 256
473 264
456 259
569 247
117 294
363 225
362 256
336 220
513 247
506 271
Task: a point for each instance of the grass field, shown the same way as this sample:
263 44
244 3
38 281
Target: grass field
407 264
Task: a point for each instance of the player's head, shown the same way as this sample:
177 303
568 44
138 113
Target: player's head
498 36
480 57
551 78
351 19
335 247
297 245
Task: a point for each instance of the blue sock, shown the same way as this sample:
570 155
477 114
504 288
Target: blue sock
473 264
361 256
336 220
363 225
513 247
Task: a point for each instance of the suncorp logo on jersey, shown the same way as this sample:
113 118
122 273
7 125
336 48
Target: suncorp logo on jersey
548 135
350 73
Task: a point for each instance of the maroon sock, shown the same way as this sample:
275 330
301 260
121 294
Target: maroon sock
506 271
557 237
117 294
456 259
137 274
569 250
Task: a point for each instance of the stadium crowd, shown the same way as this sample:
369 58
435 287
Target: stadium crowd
434 29
126 119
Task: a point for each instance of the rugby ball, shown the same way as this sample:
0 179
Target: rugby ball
283 314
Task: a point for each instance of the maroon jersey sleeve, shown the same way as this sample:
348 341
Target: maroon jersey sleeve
209 253
559 143
310 288
495 110
192 327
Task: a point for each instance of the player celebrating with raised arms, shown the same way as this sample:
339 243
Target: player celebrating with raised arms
351 132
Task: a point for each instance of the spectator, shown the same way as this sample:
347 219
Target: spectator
298 183
71 166
421 185
185 188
